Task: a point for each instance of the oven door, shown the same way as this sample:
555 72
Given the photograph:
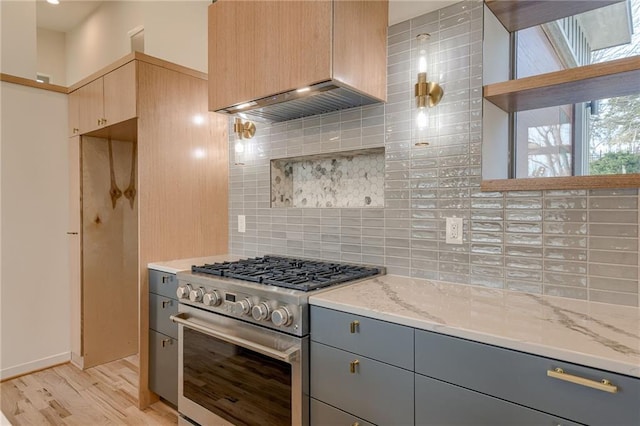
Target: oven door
232 372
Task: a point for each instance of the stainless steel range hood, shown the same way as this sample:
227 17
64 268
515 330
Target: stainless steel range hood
316 99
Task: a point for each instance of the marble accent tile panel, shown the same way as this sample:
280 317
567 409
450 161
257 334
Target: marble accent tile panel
344 179
580 244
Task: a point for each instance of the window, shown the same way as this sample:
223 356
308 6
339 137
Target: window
601 136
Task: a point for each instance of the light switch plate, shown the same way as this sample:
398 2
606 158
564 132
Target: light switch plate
454 230
241 223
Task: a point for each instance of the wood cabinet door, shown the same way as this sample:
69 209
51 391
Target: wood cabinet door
120 94
74 113
91 108
259 48
109 255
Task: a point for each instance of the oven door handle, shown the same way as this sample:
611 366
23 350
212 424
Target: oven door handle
286 356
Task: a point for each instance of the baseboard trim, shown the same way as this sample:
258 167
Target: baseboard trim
77 360
33 366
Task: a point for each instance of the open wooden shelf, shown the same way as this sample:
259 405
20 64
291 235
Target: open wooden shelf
519 14
610 79
569 182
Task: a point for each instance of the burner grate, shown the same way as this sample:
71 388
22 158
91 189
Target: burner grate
298 274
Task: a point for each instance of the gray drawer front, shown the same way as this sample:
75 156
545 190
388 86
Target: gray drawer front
522 378
380 340
439 403
160 308
163 283
163 366
326 415
377 392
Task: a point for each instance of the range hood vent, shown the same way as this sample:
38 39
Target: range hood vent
317 99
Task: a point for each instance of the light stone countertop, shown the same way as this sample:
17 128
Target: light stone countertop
175 266
593 334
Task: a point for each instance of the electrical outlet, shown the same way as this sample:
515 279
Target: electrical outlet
242 227
454 230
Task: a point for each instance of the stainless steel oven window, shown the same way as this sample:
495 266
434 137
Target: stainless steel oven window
237 384
232 372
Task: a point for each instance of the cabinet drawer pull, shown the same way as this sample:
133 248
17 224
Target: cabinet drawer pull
355 424
75 130
165 303
166 279
166 341
352 366
354 326
604 385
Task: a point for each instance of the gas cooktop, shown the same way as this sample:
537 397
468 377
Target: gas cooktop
298 274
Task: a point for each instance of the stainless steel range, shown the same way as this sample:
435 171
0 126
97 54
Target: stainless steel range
243 331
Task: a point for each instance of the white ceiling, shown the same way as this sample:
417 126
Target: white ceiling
70 13
64 16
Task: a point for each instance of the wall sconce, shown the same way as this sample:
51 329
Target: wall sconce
428 93
243 130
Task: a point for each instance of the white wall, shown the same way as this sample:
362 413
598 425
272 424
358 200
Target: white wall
51 55
495 68
34 279
173 30
18 38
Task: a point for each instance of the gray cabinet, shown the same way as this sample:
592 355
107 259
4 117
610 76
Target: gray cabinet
163 335
369 389
163 366
325 415
361 367
440 403
523 379
406 376
380 340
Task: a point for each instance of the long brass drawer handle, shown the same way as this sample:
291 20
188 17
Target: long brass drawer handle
352 366
604 385
354 326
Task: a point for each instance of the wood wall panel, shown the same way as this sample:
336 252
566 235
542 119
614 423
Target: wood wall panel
183 180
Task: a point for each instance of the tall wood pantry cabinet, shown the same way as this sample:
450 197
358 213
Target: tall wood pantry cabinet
148 179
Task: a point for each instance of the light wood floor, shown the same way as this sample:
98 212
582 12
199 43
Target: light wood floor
65 395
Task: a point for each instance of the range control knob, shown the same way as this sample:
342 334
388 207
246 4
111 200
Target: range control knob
211 299
242 307
195 295
183 291
281 317
260 312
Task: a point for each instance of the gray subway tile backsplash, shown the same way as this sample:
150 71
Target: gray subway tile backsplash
580 244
